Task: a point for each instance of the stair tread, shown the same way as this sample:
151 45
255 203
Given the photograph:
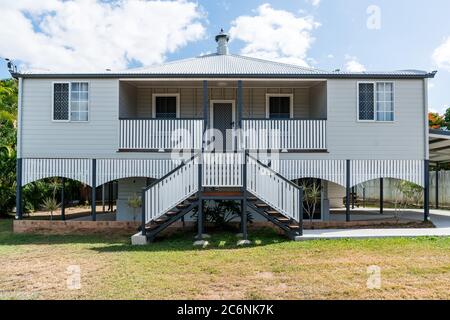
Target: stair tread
294 226
262 205
273 212
172 213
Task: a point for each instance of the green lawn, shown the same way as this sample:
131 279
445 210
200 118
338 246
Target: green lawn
35 267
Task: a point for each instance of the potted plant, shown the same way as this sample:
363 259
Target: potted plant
134 202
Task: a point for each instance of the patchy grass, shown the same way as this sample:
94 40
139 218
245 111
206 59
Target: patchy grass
35 267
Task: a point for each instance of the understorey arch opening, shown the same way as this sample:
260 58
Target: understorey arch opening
394 193
69 198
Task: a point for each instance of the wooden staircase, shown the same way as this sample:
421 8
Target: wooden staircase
261 189
255 205
156 226
291 228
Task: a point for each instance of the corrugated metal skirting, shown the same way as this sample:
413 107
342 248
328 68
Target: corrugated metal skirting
76 169
226 172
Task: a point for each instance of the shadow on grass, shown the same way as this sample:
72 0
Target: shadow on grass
177 241
183 241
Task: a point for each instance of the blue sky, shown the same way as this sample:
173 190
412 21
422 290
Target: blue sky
337 36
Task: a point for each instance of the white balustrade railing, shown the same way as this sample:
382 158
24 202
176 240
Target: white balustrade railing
156 134
222 169
273 189
288 134
171 190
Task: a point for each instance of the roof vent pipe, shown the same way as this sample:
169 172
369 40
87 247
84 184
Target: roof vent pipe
222 42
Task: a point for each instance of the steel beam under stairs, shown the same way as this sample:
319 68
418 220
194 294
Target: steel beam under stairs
154 227
291 228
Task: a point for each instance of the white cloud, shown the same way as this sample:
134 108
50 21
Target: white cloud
315 3
275 35
330 56
90 35
441 56
353 65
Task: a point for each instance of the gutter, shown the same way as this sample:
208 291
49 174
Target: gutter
224 76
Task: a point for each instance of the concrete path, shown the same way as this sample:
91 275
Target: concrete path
440 218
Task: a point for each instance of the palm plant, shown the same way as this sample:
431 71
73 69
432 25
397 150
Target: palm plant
311 196
222 213
50 204
54 186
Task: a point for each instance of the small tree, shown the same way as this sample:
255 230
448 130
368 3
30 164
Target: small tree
311 195
134 202
412 193
50 204
398 198
55 186
407 194
435 120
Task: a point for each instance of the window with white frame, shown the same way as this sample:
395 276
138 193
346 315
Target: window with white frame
376 101
79 98
385 101
71 101
279 106
166 106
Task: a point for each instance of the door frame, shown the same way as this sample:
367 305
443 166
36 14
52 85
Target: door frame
233 115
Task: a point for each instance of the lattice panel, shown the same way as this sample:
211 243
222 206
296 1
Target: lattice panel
366 101
61 101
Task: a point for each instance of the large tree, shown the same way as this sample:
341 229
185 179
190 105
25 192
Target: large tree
8 116
447 118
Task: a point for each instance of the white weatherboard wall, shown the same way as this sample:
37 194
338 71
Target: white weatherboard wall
97 138
401 139
126 189
43 137
346 137
336 194
191 100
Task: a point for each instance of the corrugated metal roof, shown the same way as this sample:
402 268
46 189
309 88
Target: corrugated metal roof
218 65
225 64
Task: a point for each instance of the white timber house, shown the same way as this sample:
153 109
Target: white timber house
223 126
